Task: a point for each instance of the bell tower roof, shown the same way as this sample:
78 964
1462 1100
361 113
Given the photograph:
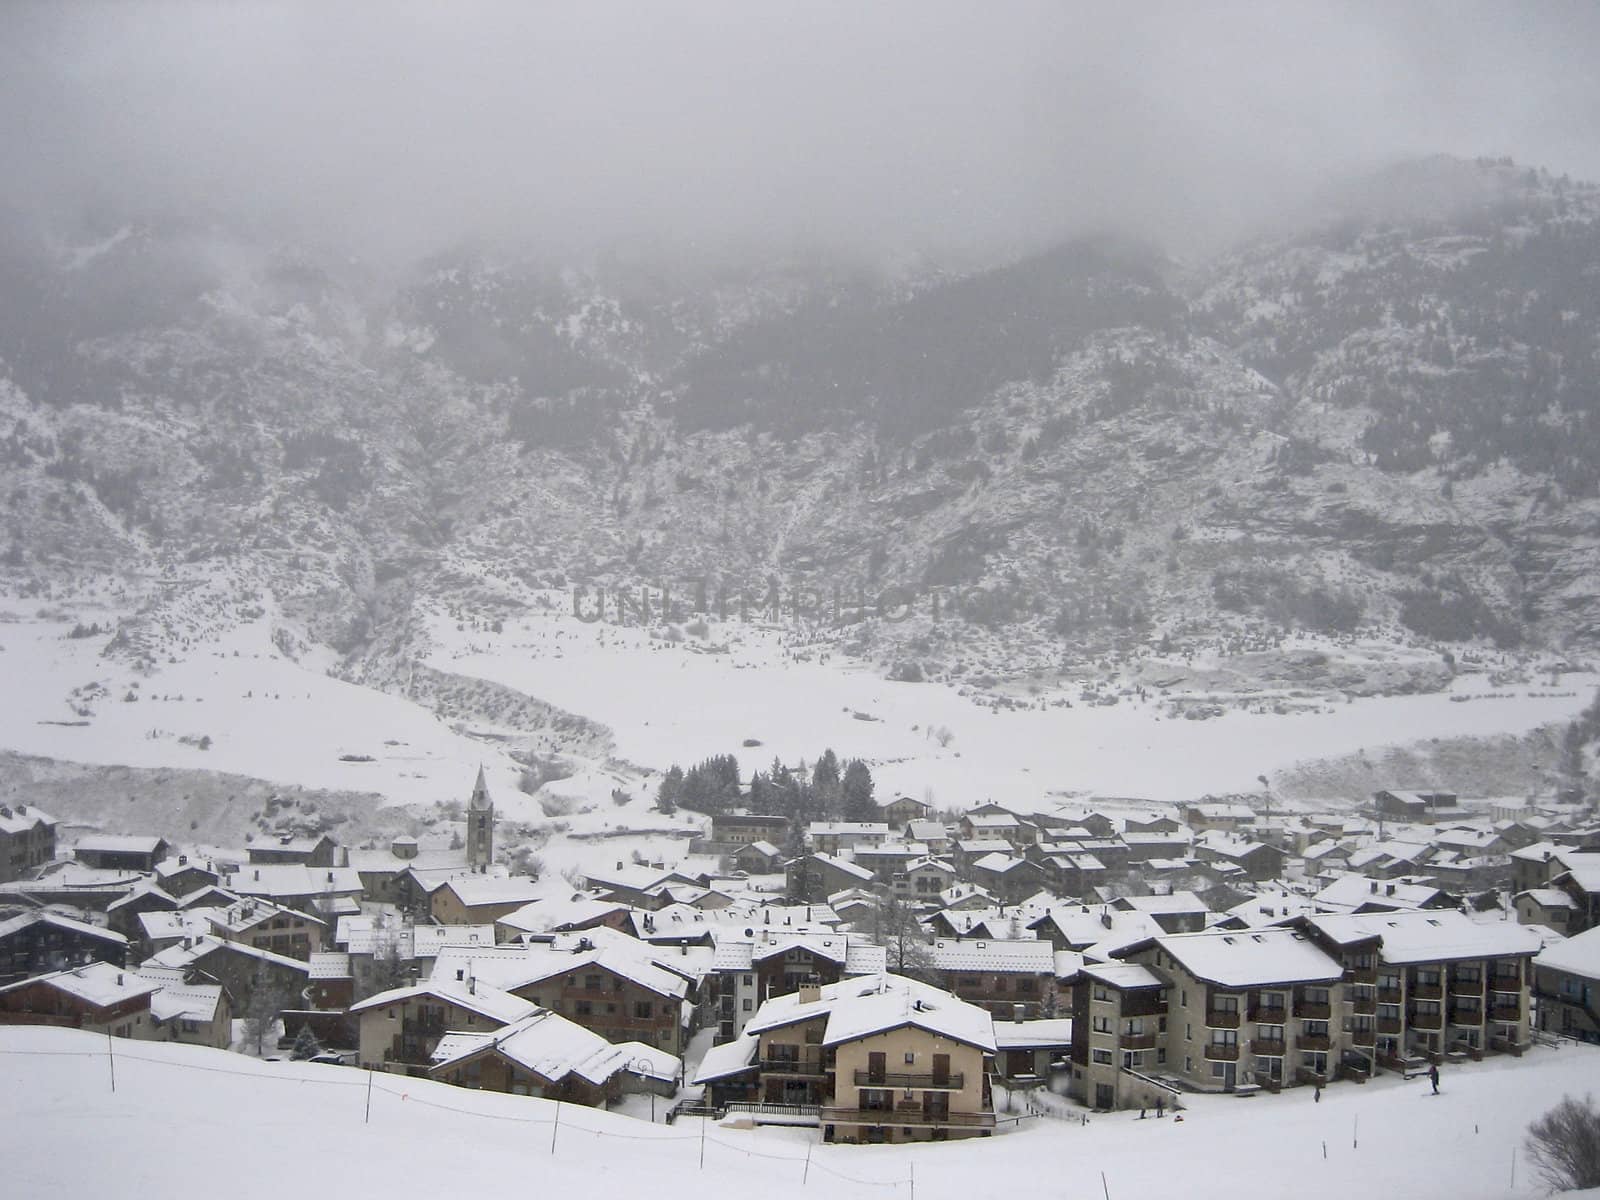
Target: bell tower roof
480 794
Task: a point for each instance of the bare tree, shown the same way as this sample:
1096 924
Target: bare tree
895 927
261 1013
1565 1145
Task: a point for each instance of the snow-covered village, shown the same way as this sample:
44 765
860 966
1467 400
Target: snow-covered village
886 601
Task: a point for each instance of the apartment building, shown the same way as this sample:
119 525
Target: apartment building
1119 1022
1012 979
749 971
401 1028
1567 984
881 1059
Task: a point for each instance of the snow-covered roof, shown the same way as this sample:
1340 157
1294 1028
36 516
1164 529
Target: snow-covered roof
1023 1035
476 890
1249 959
1578 955
55 920
96 983
185 1001
1176 902
997 863
728 1059
293 880
428 941
1352 891
766 849
1432 936
181 955
21 818
553 1048
1549 897
893 1008
119 844
472 995
328 964
983 954
1123 976
840 864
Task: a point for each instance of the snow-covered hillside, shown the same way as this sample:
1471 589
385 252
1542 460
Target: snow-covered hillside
182 1112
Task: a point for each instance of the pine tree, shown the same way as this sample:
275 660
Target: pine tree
857 786
306 1044
671 788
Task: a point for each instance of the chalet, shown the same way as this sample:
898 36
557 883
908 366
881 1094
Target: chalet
1567 984
737 829
931 834
580 912
402 1027
730 1073
38 942
635 884
98 997
326 891
1257 860
544 1054
318 851
1144 845
1581 882
481 899
1151 823
996 826
758 858
902 810
1027 1052
879 1059
923 880
1010 879
830 837
748 971
268 926
1358 894
197 1014
855 906
241 970
1177 912
181 875
1211 815
123 913
404 874
120 853
814 877
1418 807
1550 907
27 840
1009 978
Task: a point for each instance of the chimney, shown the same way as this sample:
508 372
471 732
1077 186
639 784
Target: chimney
810 993
1374 887
460 975
183 860
119 978
472 985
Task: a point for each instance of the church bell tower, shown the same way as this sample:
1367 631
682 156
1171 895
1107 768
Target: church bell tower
480 826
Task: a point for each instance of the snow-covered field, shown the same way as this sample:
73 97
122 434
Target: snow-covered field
680 702
264 715
187 1113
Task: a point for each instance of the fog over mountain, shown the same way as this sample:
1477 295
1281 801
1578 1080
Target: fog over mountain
957 130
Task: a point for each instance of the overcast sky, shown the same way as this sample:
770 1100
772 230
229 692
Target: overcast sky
975 127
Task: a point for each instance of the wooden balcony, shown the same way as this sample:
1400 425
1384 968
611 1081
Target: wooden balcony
1427 1020
950 1081
1271 1047
1363 1037
1315 1042
1460 1015
1505 983
1145 1002
1138 1041
1365 1005
1362 974
1218 1052
1427 991
908 1116
1506 1012
1390 1025
1222 1019
1390 995
1276 1015
1466 987
1316 1010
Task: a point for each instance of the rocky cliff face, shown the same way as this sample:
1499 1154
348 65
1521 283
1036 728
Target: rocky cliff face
1383 427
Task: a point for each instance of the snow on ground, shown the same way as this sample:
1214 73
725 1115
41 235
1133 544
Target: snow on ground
680 702
65 1133
265 715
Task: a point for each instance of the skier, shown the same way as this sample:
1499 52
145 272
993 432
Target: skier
1316 1094
1433 1077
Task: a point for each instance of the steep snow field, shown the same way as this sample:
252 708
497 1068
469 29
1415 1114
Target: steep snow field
680 702
187 1113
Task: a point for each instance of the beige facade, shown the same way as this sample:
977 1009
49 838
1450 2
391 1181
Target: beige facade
908 1085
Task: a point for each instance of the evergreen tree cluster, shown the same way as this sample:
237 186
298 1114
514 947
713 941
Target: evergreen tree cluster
828 790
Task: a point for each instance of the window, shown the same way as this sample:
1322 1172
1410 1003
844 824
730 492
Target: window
749 981
643 1009
1161 1024
1102 1024
583 1008
1161 1056
1103 1057
749 1004
911 1057
1101 994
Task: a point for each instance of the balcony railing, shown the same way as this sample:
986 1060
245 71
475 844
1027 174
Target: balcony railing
1365 1005
1506 1012
1222 1018
1267 1046
1427 991
1390 995
1316 1041
908 1116
1139 1041
1460 1015
1276 1014
1420 1020
1316 1010
951 1081
1390 1025
1362 974
1222 1052
1363 1037
793 1066
1505 983
1466 987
